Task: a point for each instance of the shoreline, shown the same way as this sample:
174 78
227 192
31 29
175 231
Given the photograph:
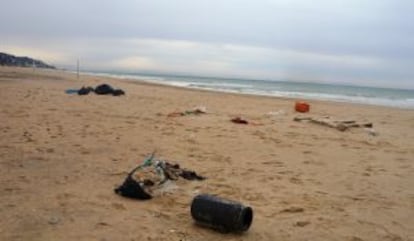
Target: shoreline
72 75
130 77
143 81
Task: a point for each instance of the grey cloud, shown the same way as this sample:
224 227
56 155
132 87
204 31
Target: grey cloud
381 29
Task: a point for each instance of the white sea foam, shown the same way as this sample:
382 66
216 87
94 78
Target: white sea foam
126 76
219 85
350 94
358 99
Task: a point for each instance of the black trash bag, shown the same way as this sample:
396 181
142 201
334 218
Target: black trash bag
104 89
174 170
191 175
85 90
131 188
118 92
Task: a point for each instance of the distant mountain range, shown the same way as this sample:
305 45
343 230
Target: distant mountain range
11 60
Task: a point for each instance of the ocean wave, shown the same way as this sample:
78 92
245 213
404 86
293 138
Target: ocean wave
220 85
127 76
371 96
358 99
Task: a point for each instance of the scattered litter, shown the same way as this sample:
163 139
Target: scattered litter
195 111
276 113
106 89
302 107
239 120
85 90
200 110
71 91
103 89
151 177
221 214
371 131
341 125
54 220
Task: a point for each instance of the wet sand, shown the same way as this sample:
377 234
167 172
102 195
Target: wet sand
62 155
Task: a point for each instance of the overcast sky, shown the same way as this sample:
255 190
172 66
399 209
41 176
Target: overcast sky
364 42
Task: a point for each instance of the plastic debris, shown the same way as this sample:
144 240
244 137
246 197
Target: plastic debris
221 214
151 176
239 120
103 89
276 113
195 111
302 107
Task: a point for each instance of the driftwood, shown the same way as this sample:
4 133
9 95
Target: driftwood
341 125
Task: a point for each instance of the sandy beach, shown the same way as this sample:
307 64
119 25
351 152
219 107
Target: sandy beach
62 155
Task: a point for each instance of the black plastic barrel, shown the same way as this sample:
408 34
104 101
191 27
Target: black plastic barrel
221 214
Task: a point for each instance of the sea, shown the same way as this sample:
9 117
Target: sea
399 98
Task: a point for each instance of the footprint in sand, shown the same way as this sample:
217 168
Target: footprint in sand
102 224
27 136
285 172
254 196
293 210
393 237
296 180
130 122
118 206
5 129
355 238
301 223
313 162
274 163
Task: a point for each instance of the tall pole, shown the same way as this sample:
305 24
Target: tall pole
77 68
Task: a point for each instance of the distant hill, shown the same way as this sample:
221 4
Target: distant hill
11 60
